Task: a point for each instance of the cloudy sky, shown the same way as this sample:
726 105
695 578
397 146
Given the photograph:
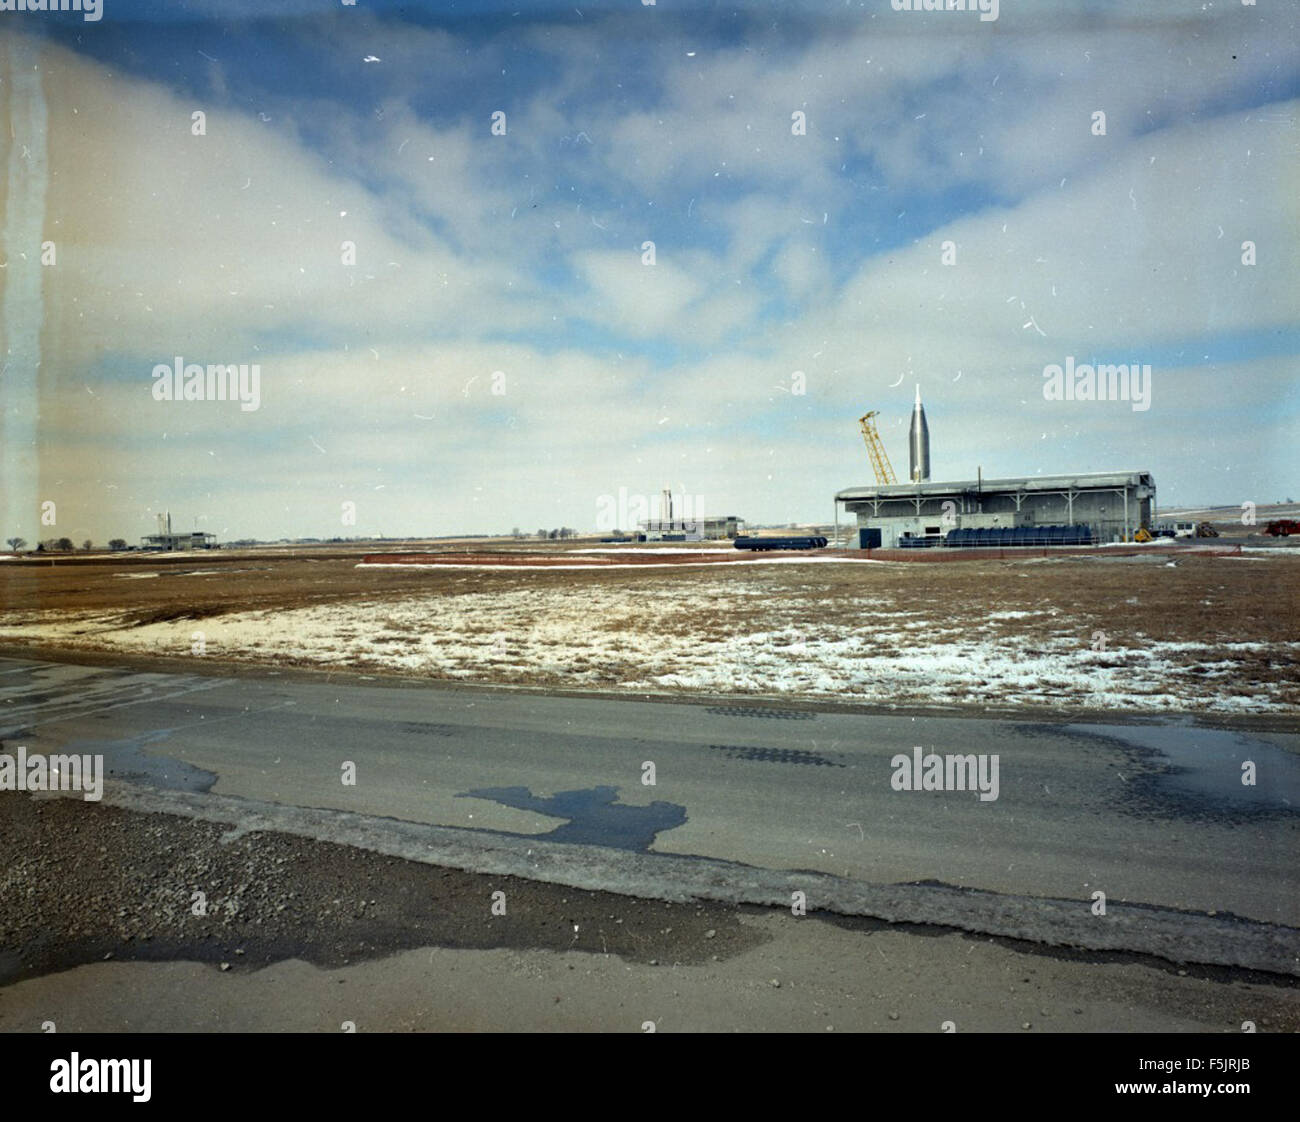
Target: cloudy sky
501 354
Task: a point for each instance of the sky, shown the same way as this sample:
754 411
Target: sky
508 265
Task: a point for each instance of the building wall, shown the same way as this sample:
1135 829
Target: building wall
1102 510
695 529
170 543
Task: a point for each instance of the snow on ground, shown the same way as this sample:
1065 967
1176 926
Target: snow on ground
654 549
596 637
762 559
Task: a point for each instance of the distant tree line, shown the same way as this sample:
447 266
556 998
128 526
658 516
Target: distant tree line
65 545
60 545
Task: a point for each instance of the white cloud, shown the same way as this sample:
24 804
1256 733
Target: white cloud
522 254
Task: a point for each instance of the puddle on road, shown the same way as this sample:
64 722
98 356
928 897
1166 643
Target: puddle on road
594 817
1205 765
128 760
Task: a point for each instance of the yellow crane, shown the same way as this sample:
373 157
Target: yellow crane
876 450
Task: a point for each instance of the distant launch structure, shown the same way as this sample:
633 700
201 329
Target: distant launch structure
876 450
1039 510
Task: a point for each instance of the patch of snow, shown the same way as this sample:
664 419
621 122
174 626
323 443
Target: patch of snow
655 549
762 560
594 635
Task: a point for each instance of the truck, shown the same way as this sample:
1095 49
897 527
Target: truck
1282 528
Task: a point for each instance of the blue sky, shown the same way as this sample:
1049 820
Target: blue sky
501 354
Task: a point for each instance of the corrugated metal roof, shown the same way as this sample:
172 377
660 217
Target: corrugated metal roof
1078 481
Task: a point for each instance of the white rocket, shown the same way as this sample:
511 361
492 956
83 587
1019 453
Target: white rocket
918 444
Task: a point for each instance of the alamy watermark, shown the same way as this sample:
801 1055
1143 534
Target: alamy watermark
217 382
92 11
922 771
89 1076
988 9
1103 382
655 513
53 773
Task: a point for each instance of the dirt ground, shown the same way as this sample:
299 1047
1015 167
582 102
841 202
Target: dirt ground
1235 598
1165 630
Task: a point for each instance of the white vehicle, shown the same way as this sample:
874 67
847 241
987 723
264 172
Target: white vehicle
1184 529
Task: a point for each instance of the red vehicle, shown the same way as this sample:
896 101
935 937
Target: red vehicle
1282 528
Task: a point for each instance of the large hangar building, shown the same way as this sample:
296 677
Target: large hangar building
1113 504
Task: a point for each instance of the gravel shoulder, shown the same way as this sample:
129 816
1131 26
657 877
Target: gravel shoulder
300 935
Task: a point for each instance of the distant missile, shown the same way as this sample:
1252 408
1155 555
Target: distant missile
918 444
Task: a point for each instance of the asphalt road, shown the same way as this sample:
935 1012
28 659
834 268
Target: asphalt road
1149 813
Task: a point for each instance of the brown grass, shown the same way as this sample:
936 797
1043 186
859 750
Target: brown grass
1208 601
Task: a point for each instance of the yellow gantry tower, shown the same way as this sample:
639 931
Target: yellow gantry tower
876 450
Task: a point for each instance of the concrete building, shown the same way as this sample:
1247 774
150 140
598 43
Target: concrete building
171 542
1113 504
704 528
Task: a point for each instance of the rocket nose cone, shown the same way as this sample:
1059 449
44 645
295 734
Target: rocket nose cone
918 395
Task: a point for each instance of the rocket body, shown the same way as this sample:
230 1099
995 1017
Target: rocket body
918 444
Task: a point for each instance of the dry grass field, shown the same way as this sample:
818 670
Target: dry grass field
1167 630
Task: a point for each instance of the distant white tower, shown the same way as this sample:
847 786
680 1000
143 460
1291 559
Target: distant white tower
666 506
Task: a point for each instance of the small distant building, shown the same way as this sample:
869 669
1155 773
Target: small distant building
705 528
687 527
171 542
